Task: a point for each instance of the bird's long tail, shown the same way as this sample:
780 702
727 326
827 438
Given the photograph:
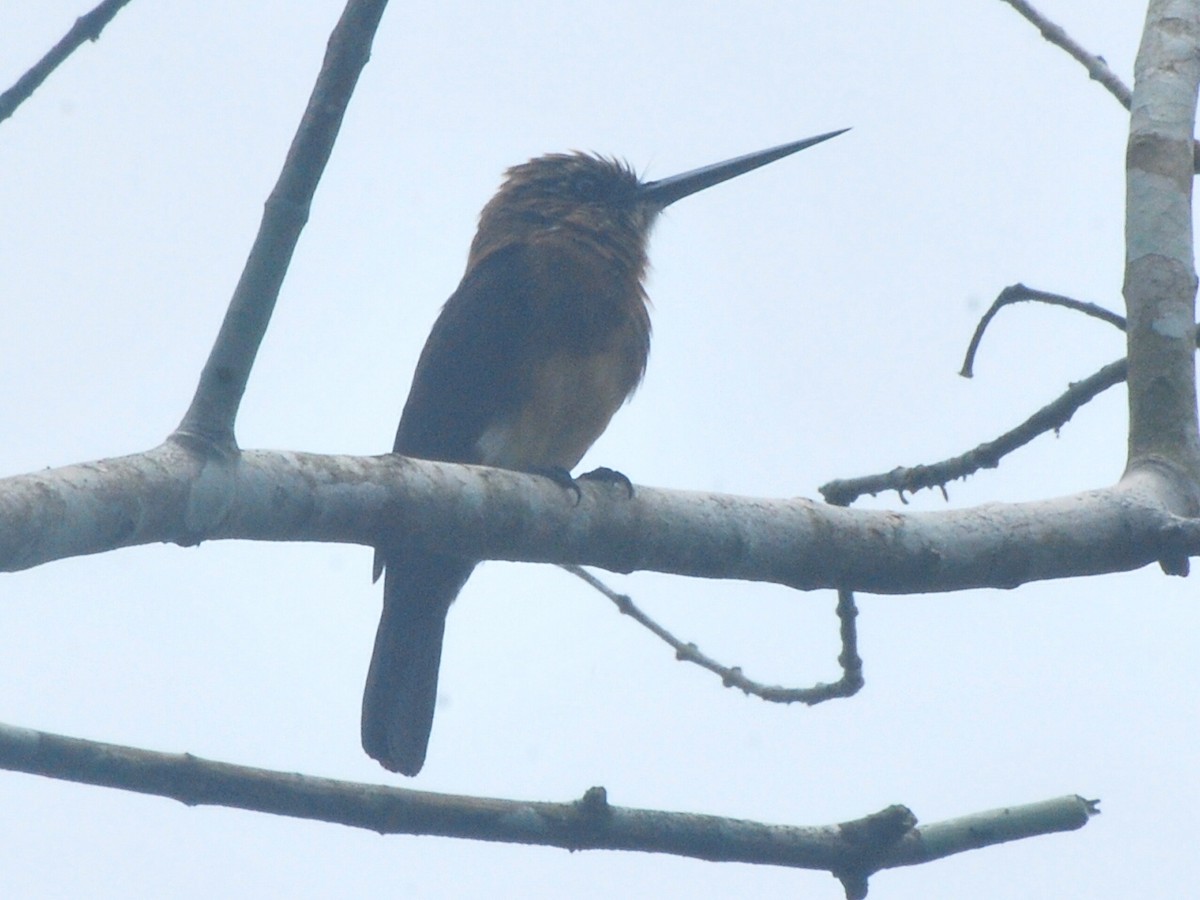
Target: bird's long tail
398 701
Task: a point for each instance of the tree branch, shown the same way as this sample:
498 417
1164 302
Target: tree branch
884 840
209 421
732 676
1160 278
167 495
909 479
1097 68
1018 293
86 28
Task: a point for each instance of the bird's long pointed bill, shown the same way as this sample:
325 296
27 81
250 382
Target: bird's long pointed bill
667 190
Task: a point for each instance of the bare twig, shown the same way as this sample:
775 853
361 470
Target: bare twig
732 676
885 839
1017 293
1096 67
86 28
848 659
210 418
906 479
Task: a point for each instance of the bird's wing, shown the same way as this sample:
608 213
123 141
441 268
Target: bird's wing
470 372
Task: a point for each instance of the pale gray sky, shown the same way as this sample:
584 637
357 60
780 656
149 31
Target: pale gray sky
809 321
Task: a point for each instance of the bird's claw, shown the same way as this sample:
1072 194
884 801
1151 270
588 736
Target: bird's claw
562 478
603 474
609 476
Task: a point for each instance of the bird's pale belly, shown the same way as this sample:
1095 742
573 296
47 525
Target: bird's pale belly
570 402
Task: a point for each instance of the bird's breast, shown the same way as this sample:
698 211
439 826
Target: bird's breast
567 402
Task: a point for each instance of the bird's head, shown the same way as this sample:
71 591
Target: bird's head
599 199
573 194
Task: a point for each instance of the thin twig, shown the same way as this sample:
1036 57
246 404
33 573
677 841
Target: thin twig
732 676
848 659
86 28
1051 417
210 418
860 847
1018 293
1096 67
907 479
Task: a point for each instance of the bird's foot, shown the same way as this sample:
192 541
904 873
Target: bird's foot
561 477
606 475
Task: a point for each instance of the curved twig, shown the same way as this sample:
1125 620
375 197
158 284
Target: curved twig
732 676
1017 293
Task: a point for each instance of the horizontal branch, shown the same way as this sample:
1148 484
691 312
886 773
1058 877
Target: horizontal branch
879 841
170 495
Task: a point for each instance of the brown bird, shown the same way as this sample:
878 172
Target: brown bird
544 339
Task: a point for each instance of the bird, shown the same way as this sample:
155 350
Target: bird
545 337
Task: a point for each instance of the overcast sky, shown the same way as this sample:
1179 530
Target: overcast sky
809 322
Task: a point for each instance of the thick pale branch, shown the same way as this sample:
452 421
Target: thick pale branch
167 495
1160 279
883 840
942 839
210 418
